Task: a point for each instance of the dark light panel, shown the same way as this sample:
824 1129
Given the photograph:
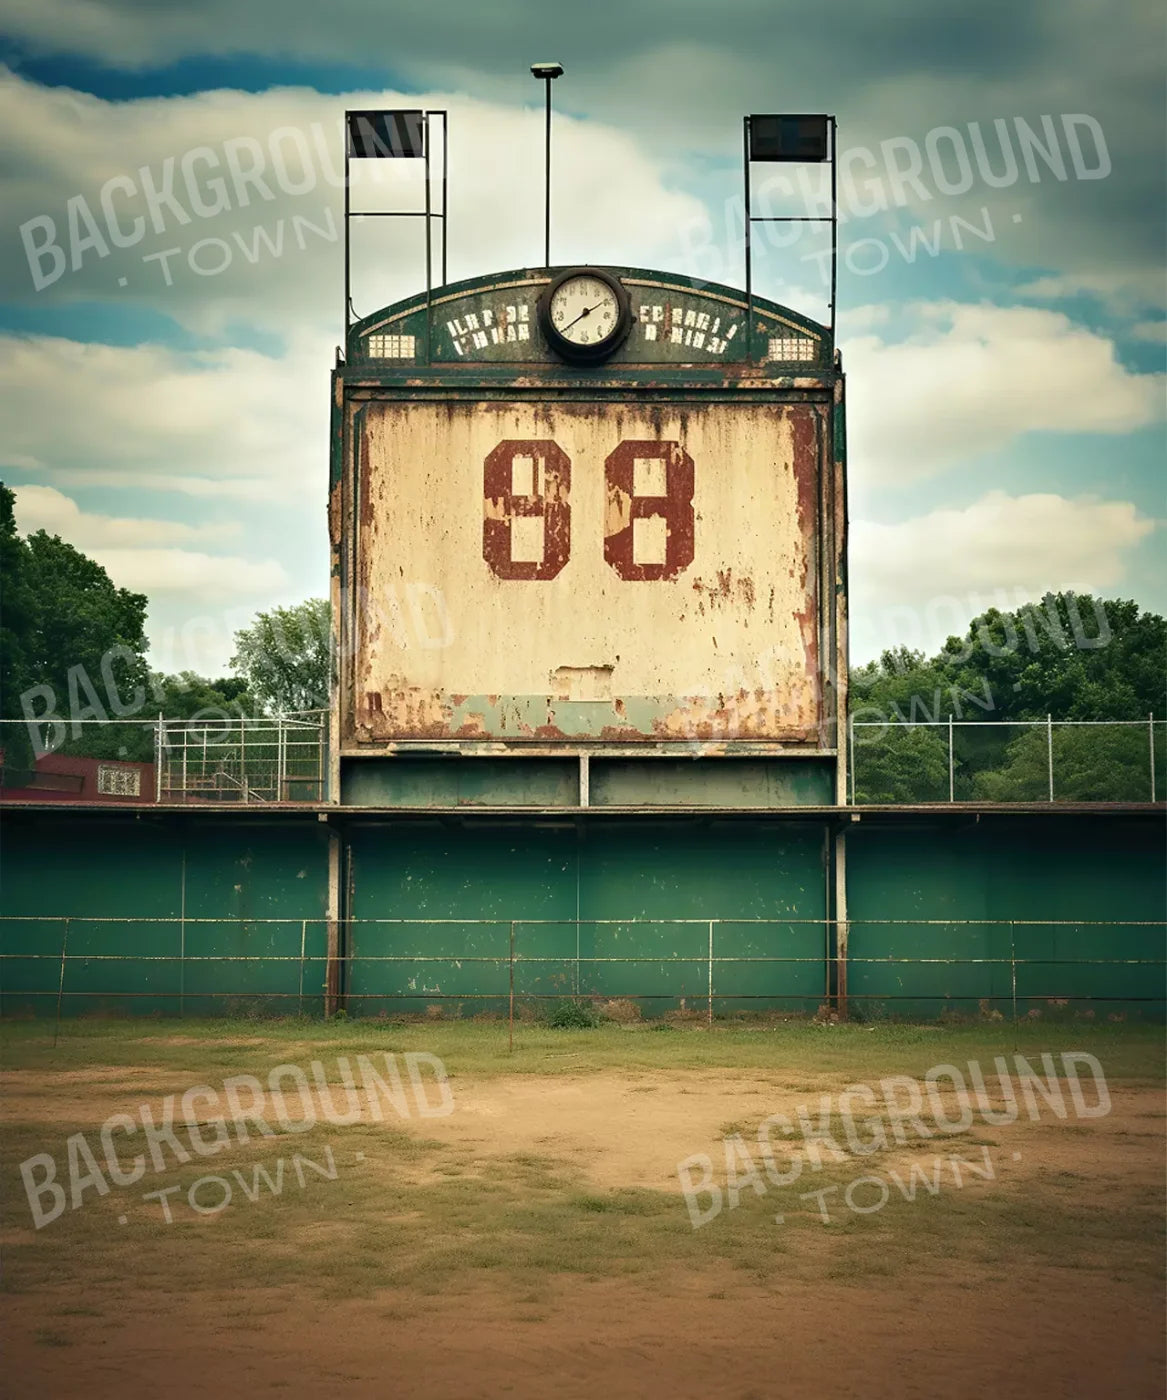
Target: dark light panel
795 138
386 135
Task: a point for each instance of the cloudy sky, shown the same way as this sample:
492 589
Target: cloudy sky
170 266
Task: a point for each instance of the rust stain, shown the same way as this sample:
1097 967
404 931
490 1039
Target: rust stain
334 509
804 427
365 482
618 734
729 592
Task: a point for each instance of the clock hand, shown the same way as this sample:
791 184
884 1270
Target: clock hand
587 311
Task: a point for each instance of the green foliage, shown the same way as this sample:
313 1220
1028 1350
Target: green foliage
571 1014
68 630
1090 765
902 765
1073 657
191 696
284 657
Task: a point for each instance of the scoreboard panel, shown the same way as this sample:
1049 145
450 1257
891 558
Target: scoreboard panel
638 550
614 574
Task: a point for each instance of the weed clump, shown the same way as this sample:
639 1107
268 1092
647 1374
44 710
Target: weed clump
572 1015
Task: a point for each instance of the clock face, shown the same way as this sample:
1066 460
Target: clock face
584 310
585 315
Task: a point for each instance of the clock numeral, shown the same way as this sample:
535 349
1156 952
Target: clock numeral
550 499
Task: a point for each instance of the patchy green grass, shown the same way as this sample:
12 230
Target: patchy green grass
221 1048
412 1213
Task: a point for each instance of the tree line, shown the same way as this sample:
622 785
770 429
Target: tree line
1068 657
72 643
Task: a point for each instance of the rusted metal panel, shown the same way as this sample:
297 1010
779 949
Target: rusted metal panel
585 570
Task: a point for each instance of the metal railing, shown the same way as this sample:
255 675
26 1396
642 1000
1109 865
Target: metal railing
283 759
1002 761
866 967
228 759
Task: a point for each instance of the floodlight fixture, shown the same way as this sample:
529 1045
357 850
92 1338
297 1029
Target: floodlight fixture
790 138
397 134
382 135
798 138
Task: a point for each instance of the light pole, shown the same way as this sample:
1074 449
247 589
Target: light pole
548 72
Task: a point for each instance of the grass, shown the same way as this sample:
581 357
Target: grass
412 1215
222 1048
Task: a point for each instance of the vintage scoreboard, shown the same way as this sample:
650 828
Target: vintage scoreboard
588 539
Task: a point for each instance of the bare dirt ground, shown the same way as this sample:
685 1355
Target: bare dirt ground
1039 1283
689 1336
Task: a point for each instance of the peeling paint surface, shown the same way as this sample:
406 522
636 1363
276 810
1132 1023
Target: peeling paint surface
574 570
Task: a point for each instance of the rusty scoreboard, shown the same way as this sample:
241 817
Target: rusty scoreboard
587 528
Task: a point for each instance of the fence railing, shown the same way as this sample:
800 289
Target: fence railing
221 759
703 968
1048 760
284 759
231 760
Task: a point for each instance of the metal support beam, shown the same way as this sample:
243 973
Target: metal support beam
335 914
547 181
841 925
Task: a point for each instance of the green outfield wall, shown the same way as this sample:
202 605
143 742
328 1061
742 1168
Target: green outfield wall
879 914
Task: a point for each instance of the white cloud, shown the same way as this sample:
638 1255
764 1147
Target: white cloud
271 256
920 580
1155 331
197 599
45 508
230 423
969 379
1117 291
680 76
209 577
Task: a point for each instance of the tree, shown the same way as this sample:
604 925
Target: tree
901 764
1090 764
1071 656
1074 656
72 644
188 695
284 656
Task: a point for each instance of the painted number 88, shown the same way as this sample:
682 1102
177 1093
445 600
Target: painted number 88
527 479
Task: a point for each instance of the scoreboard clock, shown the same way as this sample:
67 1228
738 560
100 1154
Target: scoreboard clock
585 315
587 510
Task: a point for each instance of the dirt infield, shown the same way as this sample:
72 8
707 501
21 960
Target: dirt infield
522 1230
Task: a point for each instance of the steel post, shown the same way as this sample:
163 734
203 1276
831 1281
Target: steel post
511 992
951 784
710 1016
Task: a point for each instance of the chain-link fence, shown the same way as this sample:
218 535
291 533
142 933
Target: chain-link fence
227 759
243 760
620 969
1018 761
